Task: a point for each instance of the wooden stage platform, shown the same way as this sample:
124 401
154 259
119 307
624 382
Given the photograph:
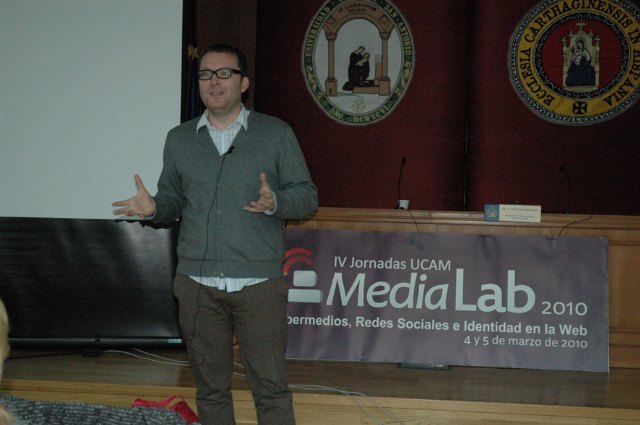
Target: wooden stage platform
344 393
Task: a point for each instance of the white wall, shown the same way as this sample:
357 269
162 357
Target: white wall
88 91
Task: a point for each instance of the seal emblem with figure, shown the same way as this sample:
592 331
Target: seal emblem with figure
577 62
358 59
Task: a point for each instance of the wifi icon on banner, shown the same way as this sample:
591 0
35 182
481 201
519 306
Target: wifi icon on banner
303 280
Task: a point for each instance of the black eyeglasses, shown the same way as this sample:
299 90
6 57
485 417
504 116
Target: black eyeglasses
222 73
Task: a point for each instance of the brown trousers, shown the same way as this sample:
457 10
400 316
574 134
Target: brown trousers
257 315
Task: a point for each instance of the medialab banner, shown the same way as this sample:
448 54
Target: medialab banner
448 299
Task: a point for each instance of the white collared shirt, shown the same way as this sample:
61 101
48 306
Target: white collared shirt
223 139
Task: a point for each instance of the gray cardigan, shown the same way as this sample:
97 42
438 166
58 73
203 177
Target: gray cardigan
207 192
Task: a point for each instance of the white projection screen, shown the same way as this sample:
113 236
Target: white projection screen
88 91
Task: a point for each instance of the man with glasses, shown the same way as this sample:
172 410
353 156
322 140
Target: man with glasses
232 178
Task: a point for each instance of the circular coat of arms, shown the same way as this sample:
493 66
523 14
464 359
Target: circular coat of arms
577 62
358 59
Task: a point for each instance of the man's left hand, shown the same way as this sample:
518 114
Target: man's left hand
266 201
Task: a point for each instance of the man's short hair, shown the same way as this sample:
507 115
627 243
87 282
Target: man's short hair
227 48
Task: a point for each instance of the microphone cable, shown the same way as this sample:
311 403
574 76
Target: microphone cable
213 201
206 248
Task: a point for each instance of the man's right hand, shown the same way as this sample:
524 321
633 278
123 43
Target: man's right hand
141 204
